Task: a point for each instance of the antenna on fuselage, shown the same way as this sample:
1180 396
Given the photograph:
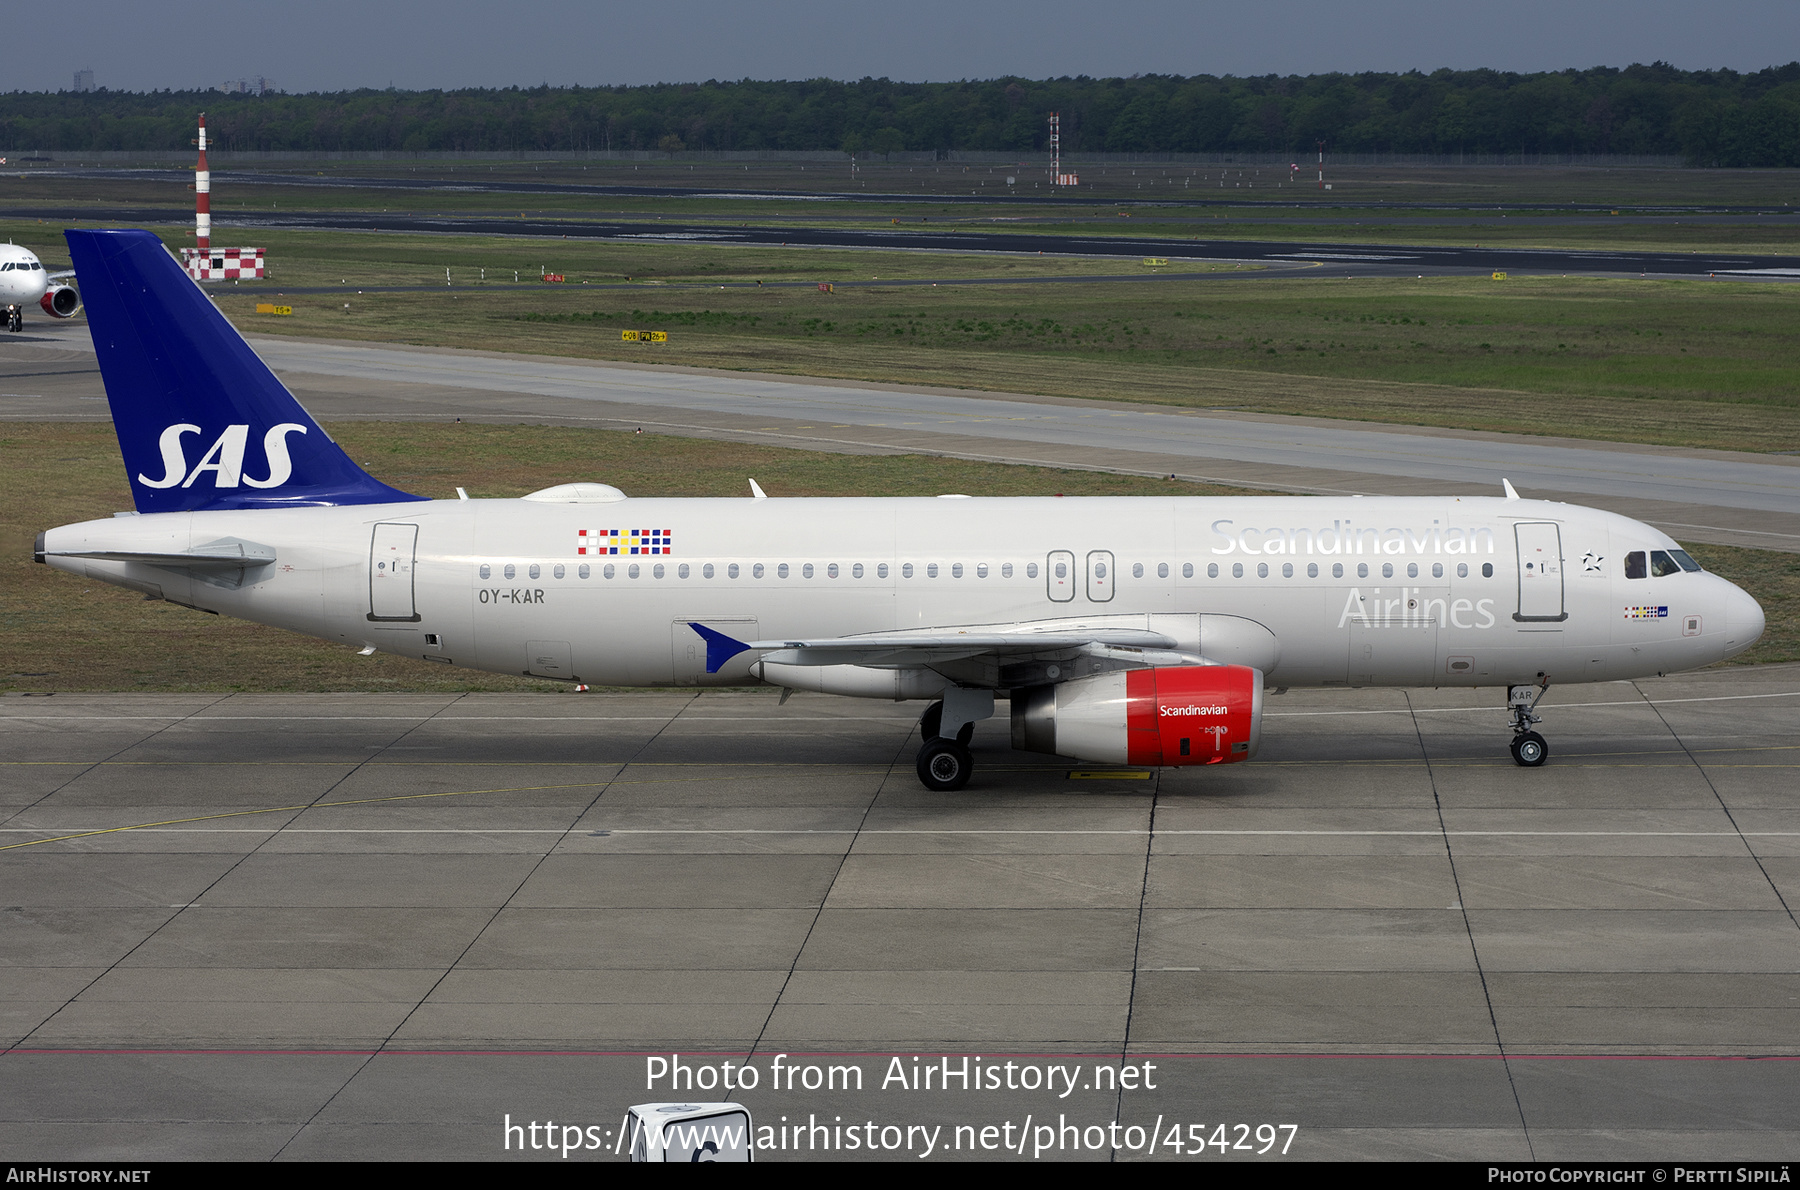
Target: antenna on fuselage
756 491
1511 492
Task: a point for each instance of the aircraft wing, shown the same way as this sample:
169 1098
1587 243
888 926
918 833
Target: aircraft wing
933 646
59 276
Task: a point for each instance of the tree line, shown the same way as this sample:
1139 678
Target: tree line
1709 117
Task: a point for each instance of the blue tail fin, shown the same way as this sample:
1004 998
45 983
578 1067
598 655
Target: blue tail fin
202 422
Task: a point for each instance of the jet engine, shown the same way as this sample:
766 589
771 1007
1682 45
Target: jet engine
1199 714
61 301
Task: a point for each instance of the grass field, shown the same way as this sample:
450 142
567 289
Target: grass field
62 633
1693 363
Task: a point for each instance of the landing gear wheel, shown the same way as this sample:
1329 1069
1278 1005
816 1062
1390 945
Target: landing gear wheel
945 765
1529 750
932 722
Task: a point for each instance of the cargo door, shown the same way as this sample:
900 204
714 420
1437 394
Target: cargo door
391 557
549 659
689 650
1540 571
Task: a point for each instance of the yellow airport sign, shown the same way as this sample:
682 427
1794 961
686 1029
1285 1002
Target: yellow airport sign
1156 260
644 336
1499 276
270 308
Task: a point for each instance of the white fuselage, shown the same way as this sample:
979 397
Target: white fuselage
1358 592
23 278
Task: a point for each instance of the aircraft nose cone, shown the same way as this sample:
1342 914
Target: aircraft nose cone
1743 620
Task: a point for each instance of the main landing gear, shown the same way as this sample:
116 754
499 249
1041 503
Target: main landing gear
1529 749
945 763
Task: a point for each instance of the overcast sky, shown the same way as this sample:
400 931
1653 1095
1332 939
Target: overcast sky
329 45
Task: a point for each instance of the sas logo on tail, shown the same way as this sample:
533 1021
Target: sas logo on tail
225 458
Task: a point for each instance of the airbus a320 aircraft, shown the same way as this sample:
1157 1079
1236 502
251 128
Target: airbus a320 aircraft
23 281
1132 630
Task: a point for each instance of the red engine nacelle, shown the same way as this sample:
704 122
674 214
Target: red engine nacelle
1210 714
61 301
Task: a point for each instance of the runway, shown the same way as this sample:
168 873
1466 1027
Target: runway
1697 495
346 927
1333 258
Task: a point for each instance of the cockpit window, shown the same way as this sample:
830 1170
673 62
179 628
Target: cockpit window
1661 565
7 267
1634 565
1687 563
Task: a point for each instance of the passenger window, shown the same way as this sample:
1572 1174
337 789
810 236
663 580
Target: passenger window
781 571
1387 570
657 570
806 571
1162 570
706 571
607 571
510 570
981 570
1137 570
1312 570
1337 570
931 570
632 571
1237 570
1437 570
1262 570
1187 570
534 571
956 570
1412 570
582 570
731 571
1362 570
1031 570
881 570
831 570
487 571
681 571
756 571
1662 565
1462 570
1634 565
1062 570
1006 570
1287 570
1212 570
1487 570
558 571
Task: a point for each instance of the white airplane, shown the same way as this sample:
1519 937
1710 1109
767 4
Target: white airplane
23 282
1131 630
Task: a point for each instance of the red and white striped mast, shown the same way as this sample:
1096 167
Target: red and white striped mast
202 197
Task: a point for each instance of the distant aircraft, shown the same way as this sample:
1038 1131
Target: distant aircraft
24 281
1126 630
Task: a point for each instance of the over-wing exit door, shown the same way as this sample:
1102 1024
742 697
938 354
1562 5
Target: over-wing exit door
391 555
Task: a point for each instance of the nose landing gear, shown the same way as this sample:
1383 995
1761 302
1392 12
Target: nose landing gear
15 319
1529 749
